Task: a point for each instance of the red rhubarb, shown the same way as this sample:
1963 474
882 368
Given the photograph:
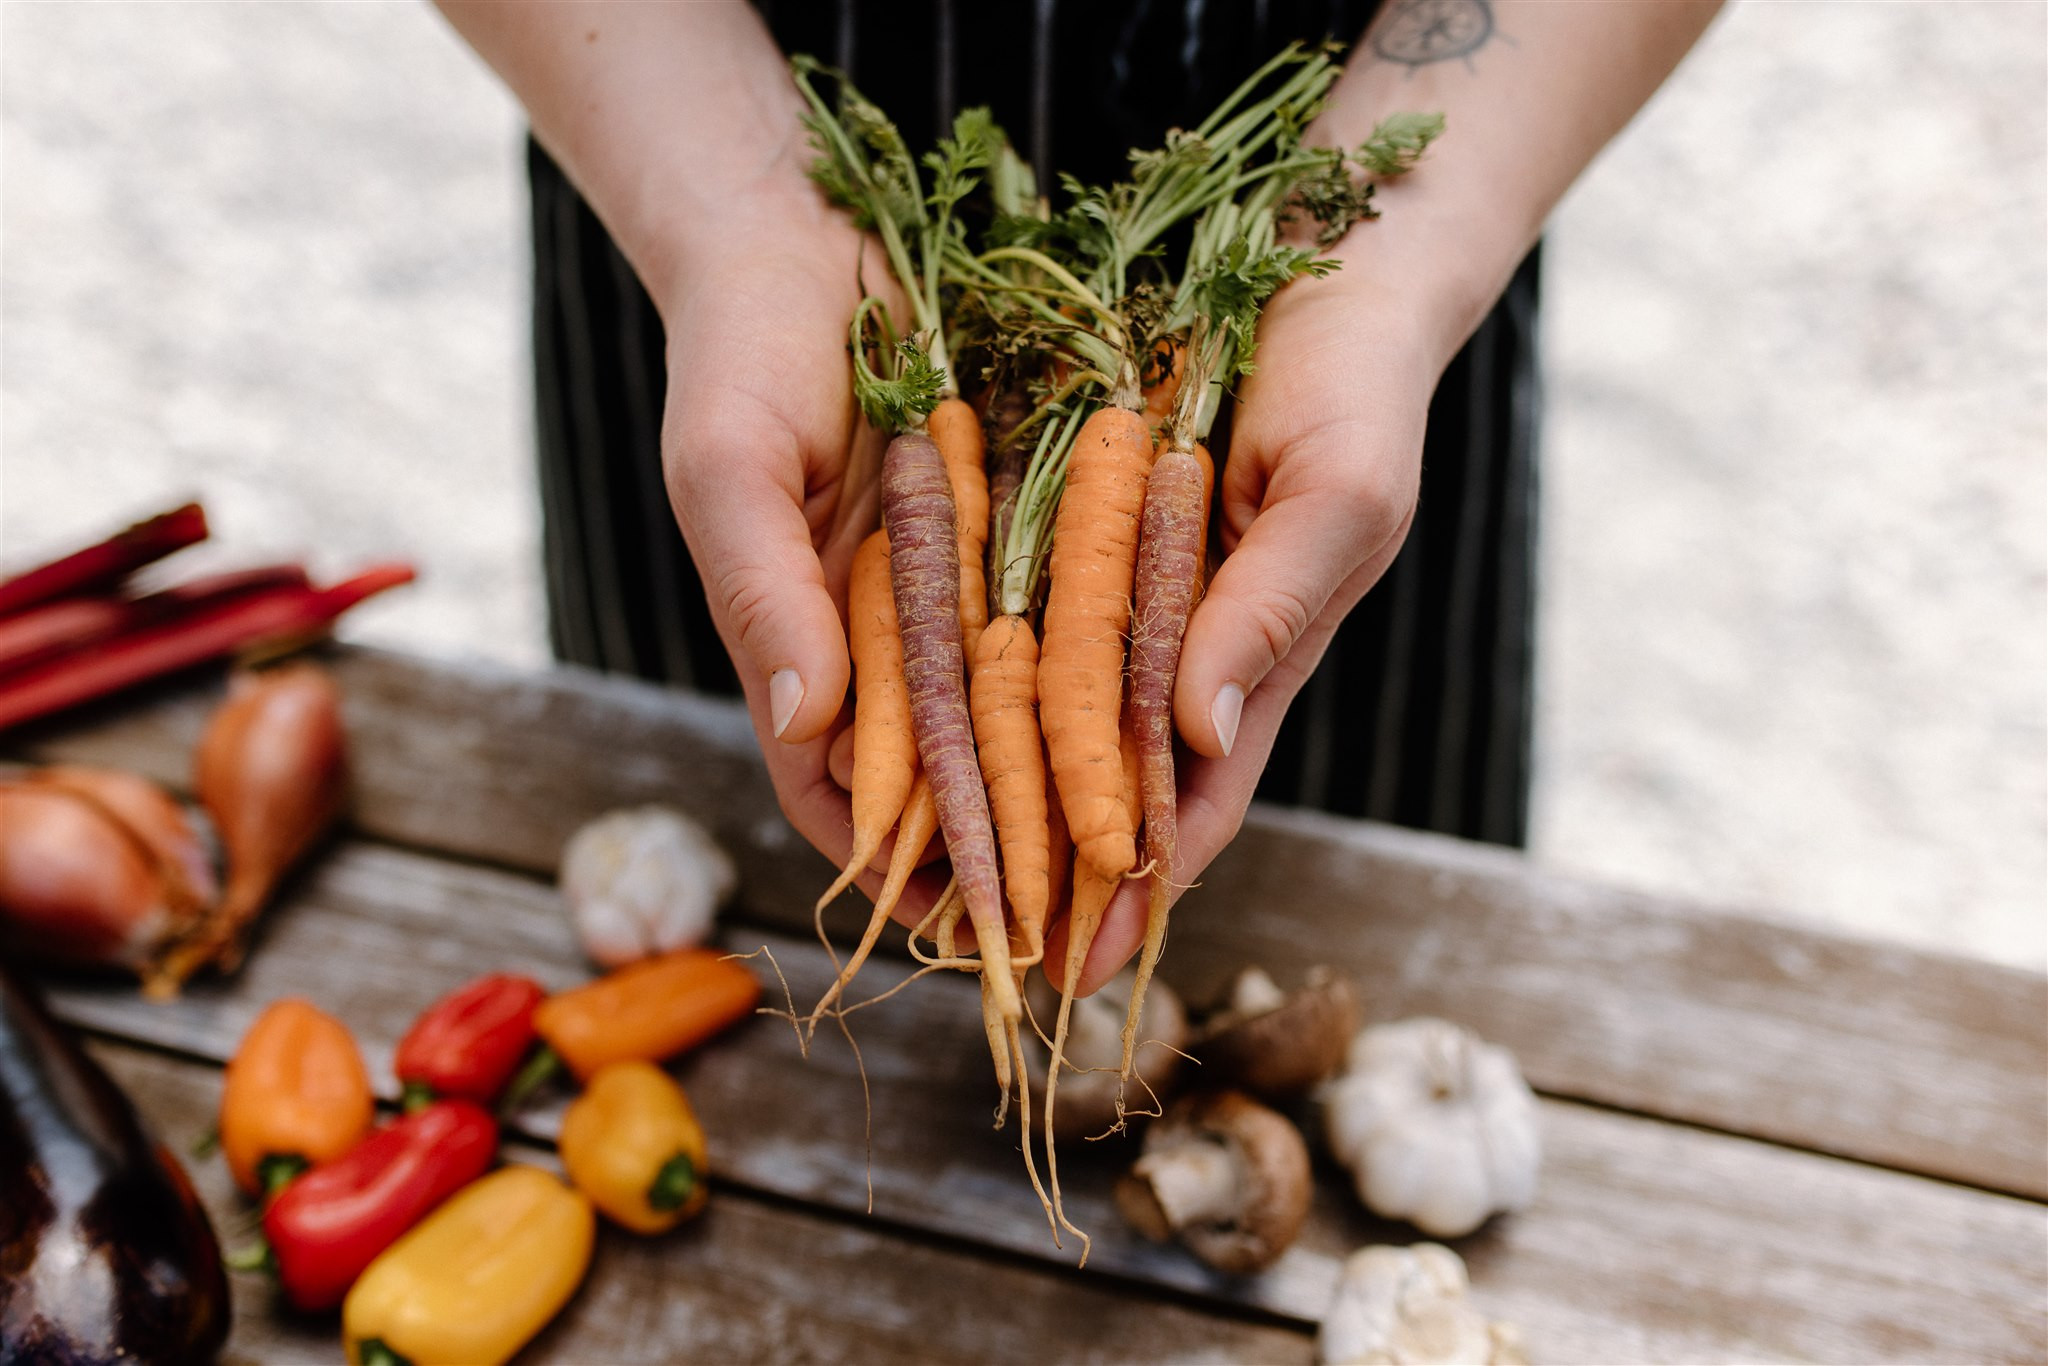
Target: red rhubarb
99 567
57 628
207 632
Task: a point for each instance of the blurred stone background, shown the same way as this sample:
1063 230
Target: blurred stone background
1795 628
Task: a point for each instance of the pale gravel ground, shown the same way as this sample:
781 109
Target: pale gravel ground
1794 601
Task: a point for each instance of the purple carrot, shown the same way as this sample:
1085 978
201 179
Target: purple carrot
924 569
1006 412
1170 536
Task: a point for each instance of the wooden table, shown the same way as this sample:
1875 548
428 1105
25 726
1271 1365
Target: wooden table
1763 1142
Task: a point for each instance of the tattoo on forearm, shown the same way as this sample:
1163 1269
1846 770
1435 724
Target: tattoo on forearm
1418 32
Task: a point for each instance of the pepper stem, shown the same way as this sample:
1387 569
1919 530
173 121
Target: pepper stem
538 1071
277 1171
673 1184
373 1352
416 1097
255 1256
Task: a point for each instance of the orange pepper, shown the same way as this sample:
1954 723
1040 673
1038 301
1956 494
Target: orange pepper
296 1093
632 1144
647 1011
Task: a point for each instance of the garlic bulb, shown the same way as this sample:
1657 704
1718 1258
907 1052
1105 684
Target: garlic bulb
643 881
1437 1126
1407 1306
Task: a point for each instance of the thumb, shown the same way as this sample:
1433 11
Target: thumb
1296 556
741 511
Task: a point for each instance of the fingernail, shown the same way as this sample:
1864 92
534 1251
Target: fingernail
786 694
1224 714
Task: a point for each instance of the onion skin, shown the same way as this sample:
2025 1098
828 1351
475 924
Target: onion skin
272 771
77 886
152 815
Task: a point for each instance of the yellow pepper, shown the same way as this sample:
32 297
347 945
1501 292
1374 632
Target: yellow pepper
633 1145
478 1278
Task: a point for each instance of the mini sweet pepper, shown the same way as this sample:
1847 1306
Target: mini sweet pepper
331 1223
475 1280
296 1093
648 1011
633 1145
468 1043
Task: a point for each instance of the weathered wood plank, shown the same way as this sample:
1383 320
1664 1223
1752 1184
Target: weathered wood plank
751 1282
1889 1055
1650 1241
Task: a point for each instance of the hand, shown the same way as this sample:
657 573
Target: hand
1317 494
771 475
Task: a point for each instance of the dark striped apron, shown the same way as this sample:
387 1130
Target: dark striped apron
1420 712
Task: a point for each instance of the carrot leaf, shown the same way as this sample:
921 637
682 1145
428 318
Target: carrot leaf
1398 143
899 401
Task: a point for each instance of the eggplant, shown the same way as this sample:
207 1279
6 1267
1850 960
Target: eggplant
105 1252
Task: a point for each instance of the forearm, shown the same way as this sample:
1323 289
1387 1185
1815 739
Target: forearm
1530 90
667 117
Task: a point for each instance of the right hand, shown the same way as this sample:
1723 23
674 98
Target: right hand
772 475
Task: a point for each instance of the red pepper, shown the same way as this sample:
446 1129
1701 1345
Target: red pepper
470 1042
331 1223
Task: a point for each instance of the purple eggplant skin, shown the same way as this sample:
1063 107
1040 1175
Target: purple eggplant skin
106 1255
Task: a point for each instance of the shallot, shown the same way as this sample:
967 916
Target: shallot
152 815
271 771
78 885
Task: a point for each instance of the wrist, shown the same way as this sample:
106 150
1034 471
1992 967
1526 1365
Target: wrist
1432 269
698 228
673 120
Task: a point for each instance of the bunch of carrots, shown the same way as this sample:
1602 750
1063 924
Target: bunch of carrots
1016 623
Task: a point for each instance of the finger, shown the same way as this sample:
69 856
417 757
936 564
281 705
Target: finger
839 759
1118 938
738 495
921 893
1212 794
1294 557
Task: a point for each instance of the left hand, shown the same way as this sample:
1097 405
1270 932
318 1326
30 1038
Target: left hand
1318 491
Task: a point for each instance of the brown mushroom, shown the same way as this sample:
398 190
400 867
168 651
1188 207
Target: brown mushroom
1088 1092
1225 1175
1276 1044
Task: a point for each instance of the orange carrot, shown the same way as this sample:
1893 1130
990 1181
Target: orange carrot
1087 613
1093 890
1060 852
884 754
956 428
920 822
1003 694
